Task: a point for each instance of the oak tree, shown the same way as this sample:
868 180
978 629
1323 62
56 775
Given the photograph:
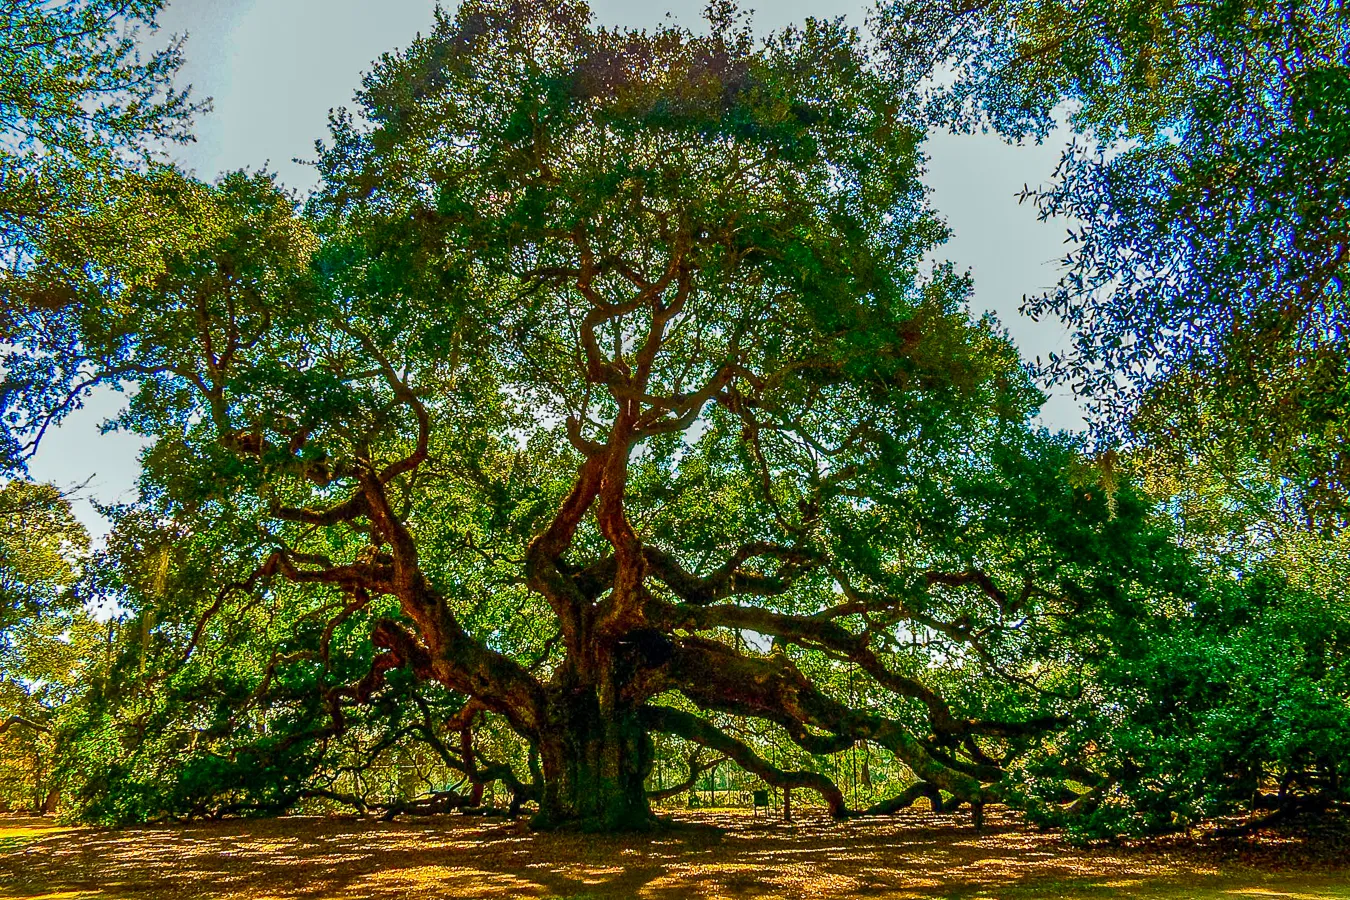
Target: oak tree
606 376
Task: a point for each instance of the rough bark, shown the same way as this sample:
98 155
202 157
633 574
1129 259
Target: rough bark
595 765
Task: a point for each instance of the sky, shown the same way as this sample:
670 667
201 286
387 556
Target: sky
274 68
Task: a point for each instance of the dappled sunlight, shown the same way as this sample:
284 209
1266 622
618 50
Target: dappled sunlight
913 855
29 829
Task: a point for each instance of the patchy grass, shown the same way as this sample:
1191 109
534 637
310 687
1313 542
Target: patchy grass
14 834
916 855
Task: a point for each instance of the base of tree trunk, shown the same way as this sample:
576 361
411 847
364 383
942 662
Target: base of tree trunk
623 824
595 766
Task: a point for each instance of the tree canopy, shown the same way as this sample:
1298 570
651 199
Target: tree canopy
79 99
1205 283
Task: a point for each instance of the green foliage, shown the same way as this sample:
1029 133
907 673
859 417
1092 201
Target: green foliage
1235 701
44 635
1206 278
79 102
1234 705
248 712
39 540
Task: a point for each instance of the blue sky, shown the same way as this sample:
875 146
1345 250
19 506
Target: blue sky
274 68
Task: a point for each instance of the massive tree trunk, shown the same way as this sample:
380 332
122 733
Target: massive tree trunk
595 763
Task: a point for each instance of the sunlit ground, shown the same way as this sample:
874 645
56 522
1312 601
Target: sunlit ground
914 855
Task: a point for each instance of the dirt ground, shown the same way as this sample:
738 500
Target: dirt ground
913 855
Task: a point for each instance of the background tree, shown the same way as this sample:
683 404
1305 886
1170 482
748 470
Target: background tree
78 100
1206 279
1205 287
43 630
1233 706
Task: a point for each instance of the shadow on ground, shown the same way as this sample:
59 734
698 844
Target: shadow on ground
914 855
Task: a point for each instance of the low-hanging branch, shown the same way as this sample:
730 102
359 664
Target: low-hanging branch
697 766
703 733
